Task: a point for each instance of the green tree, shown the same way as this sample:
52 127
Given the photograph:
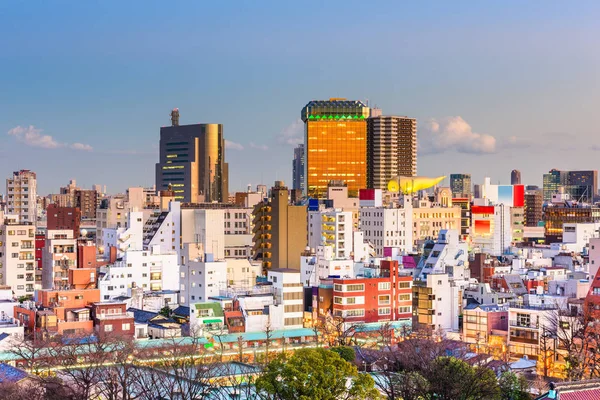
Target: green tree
454 379
165 311
346 352
513 387
315 374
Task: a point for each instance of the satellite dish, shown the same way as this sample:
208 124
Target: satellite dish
84 232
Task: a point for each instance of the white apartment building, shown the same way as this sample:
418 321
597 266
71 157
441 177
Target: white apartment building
289 299
59 254
21 195
332 227
241 273
17 256
112 212
527 320
387 227
448 251
163 228
206 228
323 264
151 269
201 277
440 302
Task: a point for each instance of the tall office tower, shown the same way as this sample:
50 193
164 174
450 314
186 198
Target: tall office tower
298 168
391 149
460 184
280 230
534 205
192 161
515 177
21 196
583 185
553 180
335 145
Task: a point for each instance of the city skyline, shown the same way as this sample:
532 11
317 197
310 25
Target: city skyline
96 98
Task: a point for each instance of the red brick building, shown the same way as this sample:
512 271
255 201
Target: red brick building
64 218
382 298
112 318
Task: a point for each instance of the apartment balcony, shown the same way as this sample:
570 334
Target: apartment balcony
514 339
104 317
25 257
519 324
27 247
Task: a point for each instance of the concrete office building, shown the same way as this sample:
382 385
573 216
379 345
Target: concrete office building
460 184
21 195
391 149
335 145
192 161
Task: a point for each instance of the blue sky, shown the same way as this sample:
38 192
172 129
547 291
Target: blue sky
494 85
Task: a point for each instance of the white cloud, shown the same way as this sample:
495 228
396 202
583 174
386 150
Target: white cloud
81 146
32 136
453 133
292 134
259 146
233 145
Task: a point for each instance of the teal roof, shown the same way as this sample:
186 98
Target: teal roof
375 326
254 336
229 338
216 307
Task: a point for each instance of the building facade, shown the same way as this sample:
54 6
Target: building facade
280 231
534 207
21 195
374 299
192 162
17 257
335 145
391 149
460 184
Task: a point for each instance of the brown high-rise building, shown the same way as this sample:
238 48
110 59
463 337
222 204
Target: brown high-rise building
192 161
63 218
335 145
280 230
391 149
534 207
87 202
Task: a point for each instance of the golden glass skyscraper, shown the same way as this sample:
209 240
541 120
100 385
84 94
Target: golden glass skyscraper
335 142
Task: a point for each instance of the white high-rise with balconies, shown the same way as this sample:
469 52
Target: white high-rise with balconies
21 195
17 256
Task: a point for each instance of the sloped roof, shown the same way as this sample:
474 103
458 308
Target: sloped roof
182 311
145 317
11 374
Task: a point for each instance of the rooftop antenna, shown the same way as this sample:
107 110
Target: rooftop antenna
175 117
